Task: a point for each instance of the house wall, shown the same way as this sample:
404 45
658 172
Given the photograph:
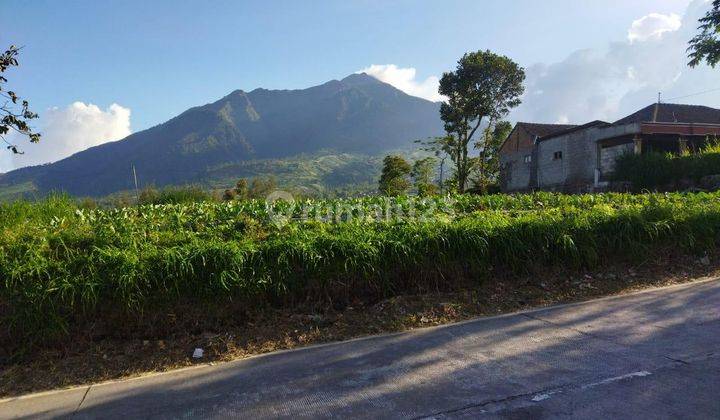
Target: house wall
551 172
516 174
575 168
609 154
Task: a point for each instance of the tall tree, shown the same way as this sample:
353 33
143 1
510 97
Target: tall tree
705 46
394 178
484 87
14 112
423 174
487 165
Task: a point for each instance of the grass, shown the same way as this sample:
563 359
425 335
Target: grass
64 269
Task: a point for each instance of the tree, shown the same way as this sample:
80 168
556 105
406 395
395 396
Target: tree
394 178
258 188
706 45
261 187
14 115
486 167
229 194
484 87
423 172
241 189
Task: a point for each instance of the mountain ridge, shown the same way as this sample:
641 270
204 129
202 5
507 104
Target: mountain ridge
357 114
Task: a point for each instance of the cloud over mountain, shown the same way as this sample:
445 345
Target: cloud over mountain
404 78
71 129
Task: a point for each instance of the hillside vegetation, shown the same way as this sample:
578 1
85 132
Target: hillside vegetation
64 269
317 175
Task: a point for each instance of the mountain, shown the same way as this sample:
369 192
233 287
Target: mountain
355 115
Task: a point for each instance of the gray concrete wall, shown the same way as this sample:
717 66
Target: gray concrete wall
615 131
577 166
582 158
551 172
609 154
516 173
576 170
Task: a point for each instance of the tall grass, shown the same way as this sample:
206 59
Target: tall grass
61 265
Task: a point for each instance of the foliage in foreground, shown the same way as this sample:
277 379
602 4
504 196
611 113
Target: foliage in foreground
60 265
705 46
13 116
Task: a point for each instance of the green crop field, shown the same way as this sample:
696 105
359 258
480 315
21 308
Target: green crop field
62 266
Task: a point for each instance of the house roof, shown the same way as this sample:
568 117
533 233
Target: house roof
573 129
673 113
541 130
535 129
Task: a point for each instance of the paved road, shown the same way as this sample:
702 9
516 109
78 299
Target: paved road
654 354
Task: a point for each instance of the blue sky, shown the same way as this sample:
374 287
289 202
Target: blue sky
157 58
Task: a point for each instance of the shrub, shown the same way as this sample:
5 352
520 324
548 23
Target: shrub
665 170
174 195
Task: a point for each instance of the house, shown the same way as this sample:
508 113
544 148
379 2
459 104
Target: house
582 158
516 154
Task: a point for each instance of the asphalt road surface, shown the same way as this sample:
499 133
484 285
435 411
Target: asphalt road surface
654 354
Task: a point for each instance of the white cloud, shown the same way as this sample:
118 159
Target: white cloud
653 26
5 159
403 78
621 78
71 129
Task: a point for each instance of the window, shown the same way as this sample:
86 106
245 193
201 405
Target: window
557 155
528 158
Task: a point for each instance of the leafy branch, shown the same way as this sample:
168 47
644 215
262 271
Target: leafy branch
14 112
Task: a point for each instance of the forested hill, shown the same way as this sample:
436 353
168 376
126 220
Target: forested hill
356 115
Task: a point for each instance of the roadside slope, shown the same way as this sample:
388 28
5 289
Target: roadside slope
533 363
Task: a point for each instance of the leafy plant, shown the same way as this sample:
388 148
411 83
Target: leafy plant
62 266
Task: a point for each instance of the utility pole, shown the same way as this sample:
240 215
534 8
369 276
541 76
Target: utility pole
442 163
137 193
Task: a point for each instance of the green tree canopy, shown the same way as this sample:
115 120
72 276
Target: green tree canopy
423 174
706 45
483 88
394 178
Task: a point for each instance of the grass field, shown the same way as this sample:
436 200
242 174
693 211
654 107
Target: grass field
65 269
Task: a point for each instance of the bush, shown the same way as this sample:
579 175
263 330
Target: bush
174 195
666 171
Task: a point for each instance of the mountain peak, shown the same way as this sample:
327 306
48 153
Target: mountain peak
357 79
358 114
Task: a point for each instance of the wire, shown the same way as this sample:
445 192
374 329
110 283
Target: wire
693 94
